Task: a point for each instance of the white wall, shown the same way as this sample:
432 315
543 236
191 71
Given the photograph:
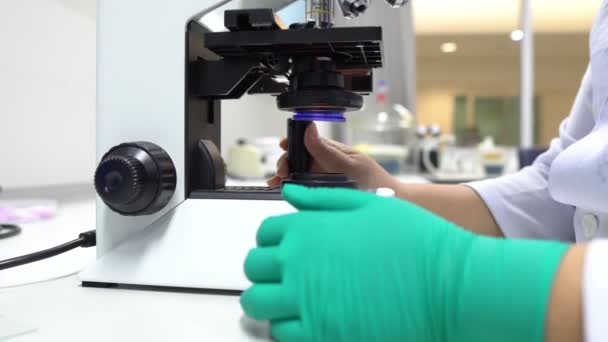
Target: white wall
47 95
47 92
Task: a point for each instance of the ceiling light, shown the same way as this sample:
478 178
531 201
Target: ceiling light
449 47
517 35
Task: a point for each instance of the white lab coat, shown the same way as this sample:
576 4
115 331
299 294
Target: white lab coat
564 194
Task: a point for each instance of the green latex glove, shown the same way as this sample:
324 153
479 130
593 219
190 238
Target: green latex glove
352 266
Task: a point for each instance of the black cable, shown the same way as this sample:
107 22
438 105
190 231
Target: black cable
87 239
9 230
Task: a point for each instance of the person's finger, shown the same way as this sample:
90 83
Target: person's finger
328 157
284 144
269 302
340 146
262 265
289 331
283 166
272 230
303 198
274 182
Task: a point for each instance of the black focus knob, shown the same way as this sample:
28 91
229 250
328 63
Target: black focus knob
136 178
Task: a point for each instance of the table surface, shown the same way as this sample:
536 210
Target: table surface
47 296
54 304
62 310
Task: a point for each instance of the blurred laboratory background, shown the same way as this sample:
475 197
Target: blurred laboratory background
504 72
470 89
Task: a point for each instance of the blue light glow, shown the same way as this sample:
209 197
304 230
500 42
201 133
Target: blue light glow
319 116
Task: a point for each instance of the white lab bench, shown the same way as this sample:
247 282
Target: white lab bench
62 310
58 308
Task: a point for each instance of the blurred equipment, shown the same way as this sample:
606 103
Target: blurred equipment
25 211
165 215
391 157
447 163
428 147
13 212
385 132
492 158
255 160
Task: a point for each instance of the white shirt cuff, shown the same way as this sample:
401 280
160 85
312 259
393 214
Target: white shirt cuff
489 193
523 208
595 292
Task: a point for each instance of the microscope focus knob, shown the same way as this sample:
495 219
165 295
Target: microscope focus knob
136 178
119 179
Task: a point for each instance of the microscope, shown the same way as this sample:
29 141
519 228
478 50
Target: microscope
165 217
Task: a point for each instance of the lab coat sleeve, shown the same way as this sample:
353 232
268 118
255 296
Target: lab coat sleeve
521 203
595 292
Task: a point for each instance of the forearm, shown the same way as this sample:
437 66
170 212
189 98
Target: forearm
564 317
456 203
461 205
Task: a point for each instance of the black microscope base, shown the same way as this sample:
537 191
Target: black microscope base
252 193
321 180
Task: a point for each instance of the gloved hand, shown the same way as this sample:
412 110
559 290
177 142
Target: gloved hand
329 156
352 266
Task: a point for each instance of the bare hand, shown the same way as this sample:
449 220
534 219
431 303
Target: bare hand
329 156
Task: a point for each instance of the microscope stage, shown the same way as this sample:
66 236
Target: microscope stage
359 47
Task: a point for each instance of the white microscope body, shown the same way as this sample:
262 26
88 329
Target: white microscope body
192 243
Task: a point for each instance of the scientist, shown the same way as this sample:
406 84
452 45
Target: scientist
351 266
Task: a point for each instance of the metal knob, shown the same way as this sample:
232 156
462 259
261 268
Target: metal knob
396 3
353 8
135 178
